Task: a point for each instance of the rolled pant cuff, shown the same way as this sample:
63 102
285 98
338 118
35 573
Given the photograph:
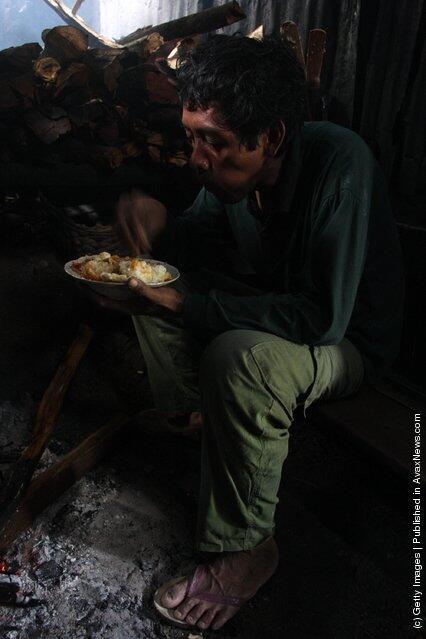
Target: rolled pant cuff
250 539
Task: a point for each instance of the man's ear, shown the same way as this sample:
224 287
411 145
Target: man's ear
275 139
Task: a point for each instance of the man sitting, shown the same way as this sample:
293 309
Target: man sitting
291 293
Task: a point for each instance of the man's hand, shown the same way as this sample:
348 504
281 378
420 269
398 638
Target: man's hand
162 302
140 219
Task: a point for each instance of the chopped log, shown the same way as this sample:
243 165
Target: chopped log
47 69
186 44
148 45
46 129
131 86
108 134
208 20
166 69
68 43
8 98
160 88
50 484
163 51
145 83
76 75
92 111
131 150
155 146
76 96
24 85
106 157
19 58
166 118
46 418
290 32
109 64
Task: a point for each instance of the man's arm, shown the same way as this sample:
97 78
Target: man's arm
195 238
320 312
200 237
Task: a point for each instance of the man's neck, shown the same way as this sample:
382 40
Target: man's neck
265 191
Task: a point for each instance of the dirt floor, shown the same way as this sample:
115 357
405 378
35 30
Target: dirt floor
95 557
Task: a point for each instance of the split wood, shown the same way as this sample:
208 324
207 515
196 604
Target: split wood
53 482
47 415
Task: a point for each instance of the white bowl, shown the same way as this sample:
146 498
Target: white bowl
117 290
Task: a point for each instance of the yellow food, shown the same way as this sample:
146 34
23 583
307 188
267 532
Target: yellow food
113 268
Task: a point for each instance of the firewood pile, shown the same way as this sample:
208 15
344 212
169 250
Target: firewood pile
71 103
101 105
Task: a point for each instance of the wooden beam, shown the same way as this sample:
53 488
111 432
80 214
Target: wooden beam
208 20
49 485
46 418
75 21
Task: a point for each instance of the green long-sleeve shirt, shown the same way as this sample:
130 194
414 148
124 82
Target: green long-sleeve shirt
327 261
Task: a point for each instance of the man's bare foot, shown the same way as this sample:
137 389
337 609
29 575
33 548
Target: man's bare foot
232 574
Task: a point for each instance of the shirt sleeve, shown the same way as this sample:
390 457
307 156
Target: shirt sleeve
200 236
320 311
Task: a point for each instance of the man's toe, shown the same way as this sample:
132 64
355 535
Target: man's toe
174 595
196 612
206 618
184 608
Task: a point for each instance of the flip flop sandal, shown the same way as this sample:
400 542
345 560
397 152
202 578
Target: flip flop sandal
191 591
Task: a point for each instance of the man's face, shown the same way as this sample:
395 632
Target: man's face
222 164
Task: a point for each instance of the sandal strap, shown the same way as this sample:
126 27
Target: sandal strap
193 585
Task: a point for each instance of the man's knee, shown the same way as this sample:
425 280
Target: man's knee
225 356
241 362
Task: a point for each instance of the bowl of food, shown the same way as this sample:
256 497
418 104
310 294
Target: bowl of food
107 274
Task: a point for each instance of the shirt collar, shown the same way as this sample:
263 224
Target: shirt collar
287 179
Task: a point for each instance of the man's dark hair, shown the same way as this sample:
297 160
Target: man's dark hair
253 84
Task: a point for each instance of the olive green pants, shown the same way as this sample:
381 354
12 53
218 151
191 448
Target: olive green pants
248 385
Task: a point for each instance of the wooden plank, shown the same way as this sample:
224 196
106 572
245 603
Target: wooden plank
201 22
315 56
46 418
382 426
53 482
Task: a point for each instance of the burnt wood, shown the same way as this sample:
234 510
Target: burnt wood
46 418
53 482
